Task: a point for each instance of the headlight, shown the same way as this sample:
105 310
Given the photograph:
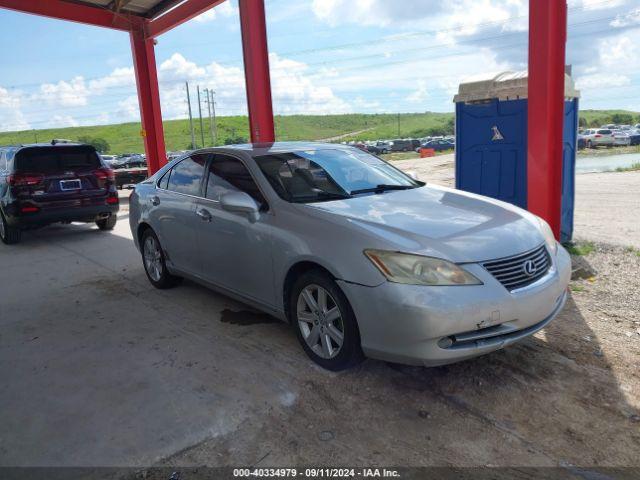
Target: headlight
418 270
548 235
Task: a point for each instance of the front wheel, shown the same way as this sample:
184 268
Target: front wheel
324 322
8 234
154 262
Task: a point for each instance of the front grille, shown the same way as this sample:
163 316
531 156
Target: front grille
516 272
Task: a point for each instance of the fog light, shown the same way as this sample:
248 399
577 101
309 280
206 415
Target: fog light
445 342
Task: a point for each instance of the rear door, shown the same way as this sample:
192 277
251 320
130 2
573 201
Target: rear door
61 176
172 212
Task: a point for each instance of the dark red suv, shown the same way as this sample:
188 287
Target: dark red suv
53 182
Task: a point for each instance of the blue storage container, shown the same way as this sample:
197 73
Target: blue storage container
491 141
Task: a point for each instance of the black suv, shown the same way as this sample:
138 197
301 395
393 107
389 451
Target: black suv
53 182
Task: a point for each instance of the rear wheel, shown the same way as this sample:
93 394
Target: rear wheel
324 322
107 223
154 262
8 234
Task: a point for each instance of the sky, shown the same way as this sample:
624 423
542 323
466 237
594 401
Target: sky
326 56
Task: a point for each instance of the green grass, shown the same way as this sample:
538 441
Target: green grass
632 168
576 288
580 249
633 251
126 137
596 118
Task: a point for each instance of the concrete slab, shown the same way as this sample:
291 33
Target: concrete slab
99 368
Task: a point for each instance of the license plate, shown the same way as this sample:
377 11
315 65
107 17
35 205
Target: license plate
70 185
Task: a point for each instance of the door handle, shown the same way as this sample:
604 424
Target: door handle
154 200
204 215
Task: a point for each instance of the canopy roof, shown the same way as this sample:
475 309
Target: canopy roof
143 8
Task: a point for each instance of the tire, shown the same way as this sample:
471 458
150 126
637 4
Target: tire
154 265
9 235
107 223
330 327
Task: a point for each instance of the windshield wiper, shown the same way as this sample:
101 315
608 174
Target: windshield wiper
319 196
382 188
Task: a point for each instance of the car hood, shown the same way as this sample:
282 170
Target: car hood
438 221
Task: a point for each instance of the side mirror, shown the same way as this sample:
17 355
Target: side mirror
240 202
412 174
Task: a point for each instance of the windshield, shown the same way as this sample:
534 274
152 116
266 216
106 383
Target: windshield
327 174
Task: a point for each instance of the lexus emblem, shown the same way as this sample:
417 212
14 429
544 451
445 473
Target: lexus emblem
529 268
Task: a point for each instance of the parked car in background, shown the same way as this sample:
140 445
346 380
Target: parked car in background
46 183
438 145
620 138
634 136
375 149
581 142
384 147
359 257
401 145
130 161
597 137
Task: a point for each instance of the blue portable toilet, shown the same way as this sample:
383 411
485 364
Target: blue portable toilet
491 140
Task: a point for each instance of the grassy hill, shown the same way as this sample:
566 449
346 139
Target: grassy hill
126 137
596 118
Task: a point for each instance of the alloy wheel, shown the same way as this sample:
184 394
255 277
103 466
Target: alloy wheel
320 321
153 258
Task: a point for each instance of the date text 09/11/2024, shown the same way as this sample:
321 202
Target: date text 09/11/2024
317 473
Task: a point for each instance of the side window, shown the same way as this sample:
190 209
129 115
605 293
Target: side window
3 161
164 181
228 174
186 176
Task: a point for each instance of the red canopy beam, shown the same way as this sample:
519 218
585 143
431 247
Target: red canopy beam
256 70
144 62
177 16
74 12
547 41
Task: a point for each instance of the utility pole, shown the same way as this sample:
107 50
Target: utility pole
398 125
200 112
193 137
213 111
208 100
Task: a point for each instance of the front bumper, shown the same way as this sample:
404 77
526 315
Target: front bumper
421 325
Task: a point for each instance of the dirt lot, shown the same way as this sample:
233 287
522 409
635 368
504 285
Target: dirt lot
98 368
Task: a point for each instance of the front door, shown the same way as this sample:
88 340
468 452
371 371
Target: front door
235 250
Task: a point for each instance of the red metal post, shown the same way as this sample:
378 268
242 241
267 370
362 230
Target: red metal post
256 70
144 62
547 40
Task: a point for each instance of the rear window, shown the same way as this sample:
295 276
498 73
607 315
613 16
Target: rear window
56 159
604 132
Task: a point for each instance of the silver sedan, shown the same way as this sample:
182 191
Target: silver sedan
360 258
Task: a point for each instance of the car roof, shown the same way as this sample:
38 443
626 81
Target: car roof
46 144
258 149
